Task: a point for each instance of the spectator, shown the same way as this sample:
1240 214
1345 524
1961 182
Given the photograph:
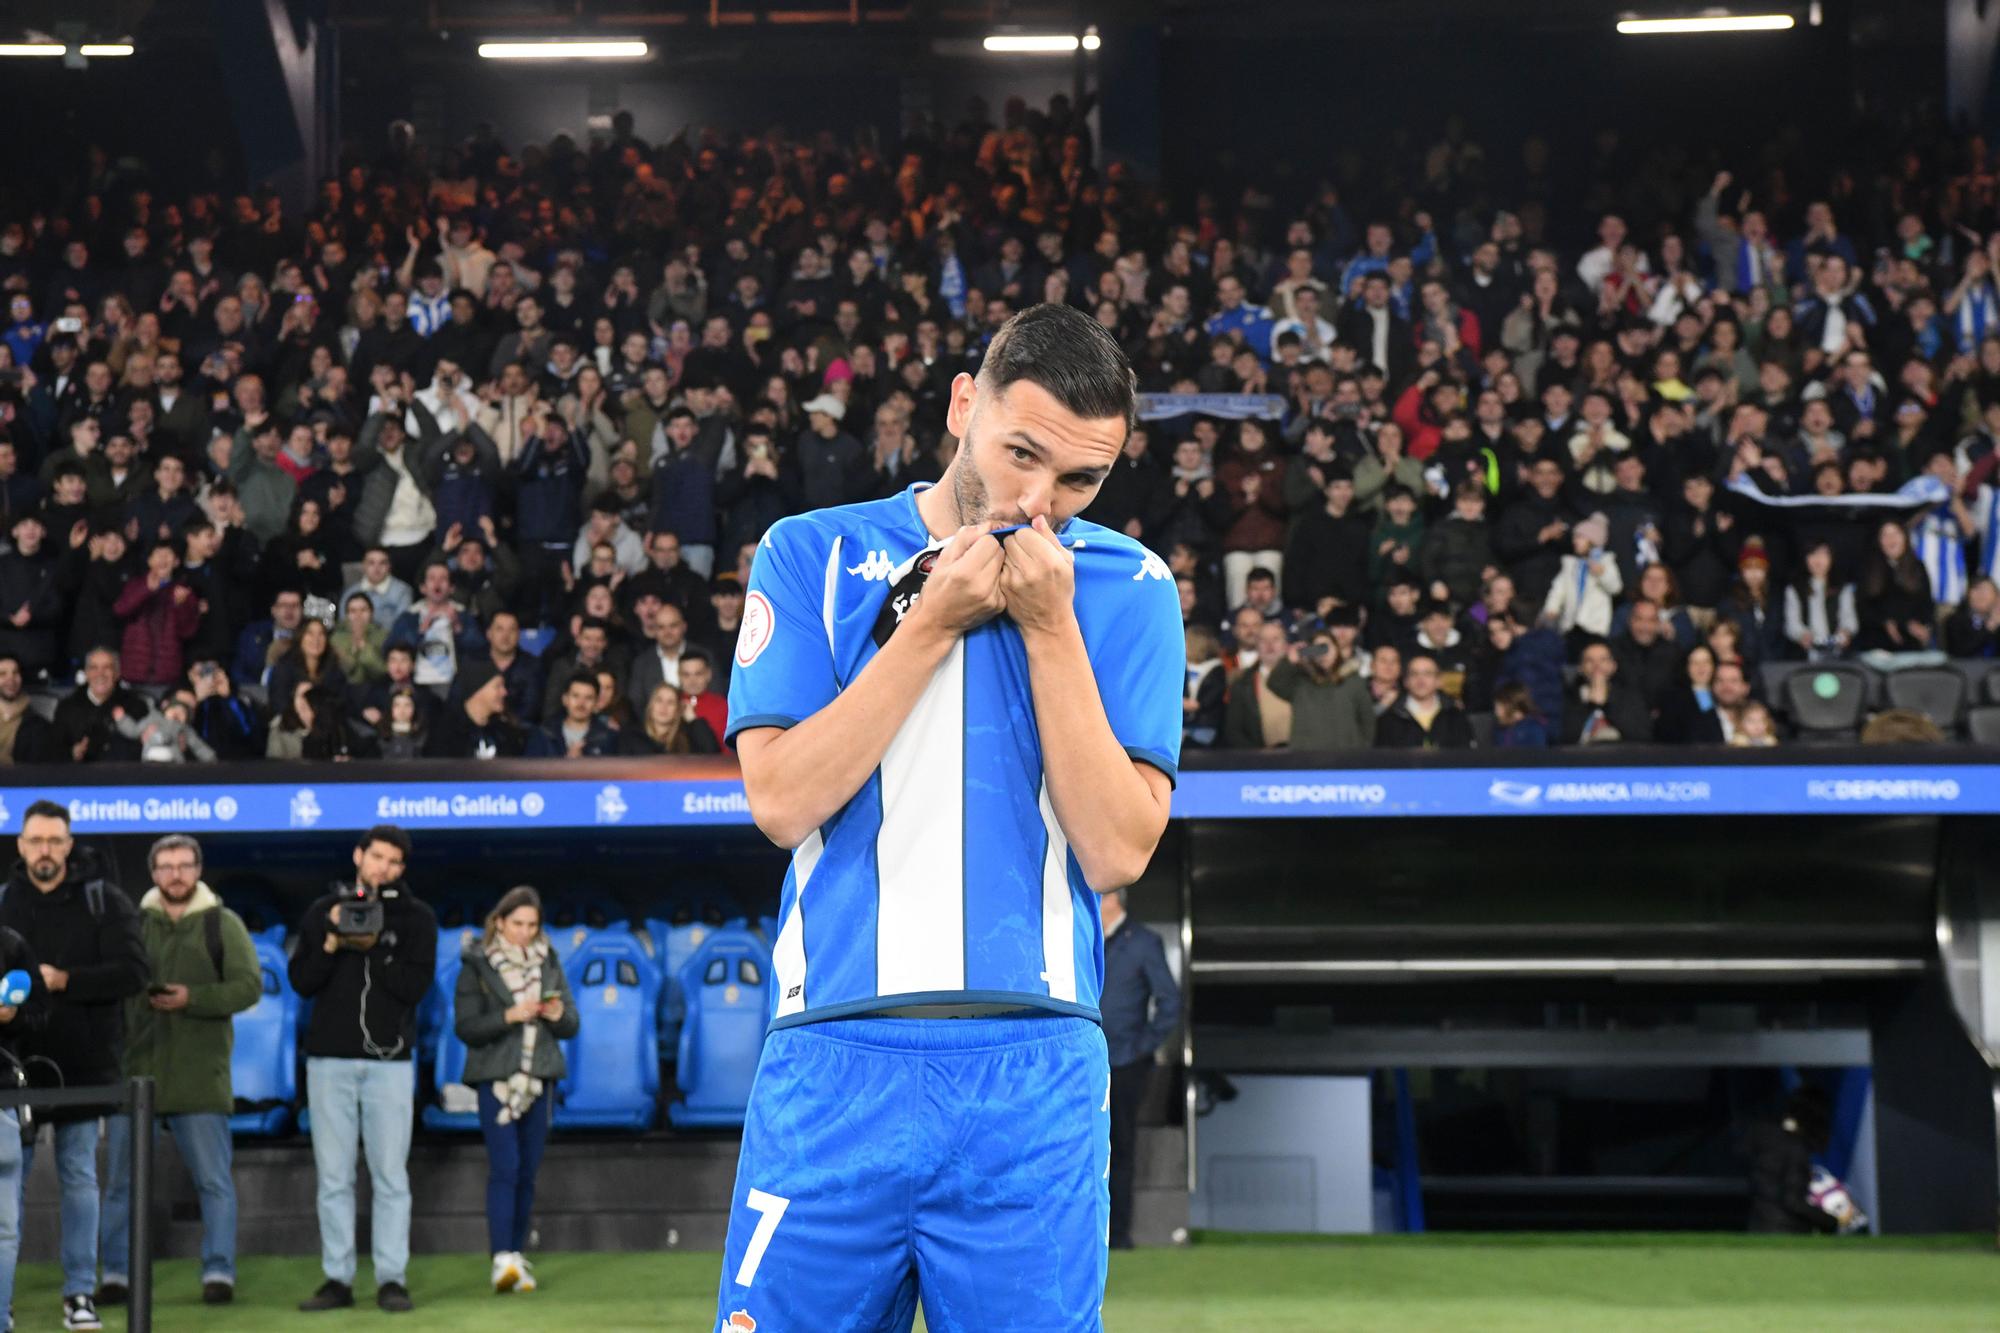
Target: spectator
438 629
699 699
402 731
180 1034
1327 559
548 486
1973 631
522 671
160 614
579 732
263 642
31 600
85 720
395 511
1533 534
1688 714
1820 616
167 734
1754 727
300 557
389 595
1894 605
1203 688
1329 697
1422 718
1517 726
1255 718
1254 482
25 735
1602 708
664 727
1393 546
1386 468
249 460
360 1077
1587 583
478 726
512 1010
85 934
359 642
310 661
1142 1009
226 723
1457 554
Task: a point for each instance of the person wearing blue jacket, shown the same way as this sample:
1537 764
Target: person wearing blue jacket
1141 1005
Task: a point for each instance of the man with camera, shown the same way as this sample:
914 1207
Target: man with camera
365 956
180 1034
85 933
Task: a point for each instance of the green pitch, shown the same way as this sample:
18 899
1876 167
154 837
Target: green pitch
1221 1285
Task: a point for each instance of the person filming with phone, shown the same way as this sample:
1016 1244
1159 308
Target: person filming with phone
512 1007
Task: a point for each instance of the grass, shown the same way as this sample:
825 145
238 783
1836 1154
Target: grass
1225 1284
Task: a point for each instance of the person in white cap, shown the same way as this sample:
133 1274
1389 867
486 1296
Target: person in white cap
833 467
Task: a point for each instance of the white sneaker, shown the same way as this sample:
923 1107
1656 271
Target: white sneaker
80 1312
506 1271
527 1282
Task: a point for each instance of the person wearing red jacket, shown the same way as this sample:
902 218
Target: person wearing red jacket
159 614
1423 408
1253 480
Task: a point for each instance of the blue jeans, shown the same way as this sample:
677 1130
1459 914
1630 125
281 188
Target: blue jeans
76 1173
10 1209
203 1138
364 1104
513 1155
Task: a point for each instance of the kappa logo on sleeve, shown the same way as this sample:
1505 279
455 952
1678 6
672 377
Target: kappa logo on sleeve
739 1321
758 625
1151 567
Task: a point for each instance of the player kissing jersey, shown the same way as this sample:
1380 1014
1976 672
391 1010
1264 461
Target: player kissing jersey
946 879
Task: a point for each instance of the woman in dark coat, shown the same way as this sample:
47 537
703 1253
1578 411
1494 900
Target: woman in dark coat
512 1008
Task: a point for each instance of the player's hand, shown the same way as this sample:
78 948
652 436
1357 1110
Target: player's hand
963 591
1038 579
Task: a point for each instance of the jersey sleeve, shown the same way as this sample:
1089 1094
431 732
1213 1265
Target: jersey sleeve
783 671
1140 659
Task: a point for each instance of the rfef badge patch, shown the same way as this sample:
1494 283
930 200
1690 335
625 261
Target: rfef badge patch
754 635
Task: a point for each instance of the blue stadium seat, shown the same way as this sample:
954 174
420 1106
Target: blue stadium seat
533 641
614 1060
434 1014
673 945
727 986
448 1058
767 926
263 1067
567 940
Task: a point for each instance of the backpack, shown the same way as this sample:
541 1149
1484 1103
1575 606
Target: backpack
93 898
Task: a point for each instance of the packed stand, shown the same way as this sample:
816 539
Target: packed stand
471 459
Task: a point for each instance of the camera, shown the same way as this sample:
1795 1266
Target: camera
360 909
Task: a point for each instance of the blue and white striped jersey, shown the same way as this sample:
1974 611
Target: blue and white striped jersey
946 879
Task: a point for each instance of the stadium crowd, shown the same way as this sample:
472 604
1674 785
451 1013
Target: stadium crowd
471 457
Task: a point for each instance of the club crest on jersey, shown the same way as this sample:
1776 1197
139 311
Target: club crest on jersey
927 562
739 1321
875 568
754 636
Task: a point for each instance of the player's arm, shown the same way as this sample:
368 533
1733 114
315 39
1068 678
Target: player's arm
799 777
1111 807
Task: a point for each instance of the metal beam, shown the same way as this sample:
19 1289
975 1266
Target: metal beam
1345 1049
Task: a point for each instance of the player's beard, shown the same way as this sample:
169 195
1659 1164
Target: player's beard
968 488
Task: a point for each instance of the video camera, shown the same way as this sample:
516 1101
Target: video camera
360 909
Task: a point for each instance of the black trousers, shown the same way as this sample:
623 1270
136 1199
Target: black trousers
1128 1090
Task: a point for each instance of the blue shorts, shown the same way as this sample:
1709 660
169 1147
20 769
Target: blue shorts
962 1161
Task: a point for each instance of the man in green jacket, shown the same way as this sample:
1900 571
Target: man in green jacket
180 1034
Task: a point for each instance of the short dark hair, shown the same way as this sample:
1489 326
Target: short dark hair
1069 354
595 622
588 679
388 833
1260 575
45 810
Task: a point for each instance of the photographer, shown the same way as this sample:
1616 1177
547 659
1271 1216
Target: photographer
1331 706
364 956
512 1006
180 1035
85 933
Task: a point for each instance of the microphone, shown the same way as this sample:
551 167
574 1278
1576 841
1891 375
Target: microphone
14 988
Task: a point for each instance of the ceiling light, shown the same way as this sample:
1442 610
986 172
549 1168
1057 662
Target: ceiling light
1044 44
564 50
105 49
31 48
1706 23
